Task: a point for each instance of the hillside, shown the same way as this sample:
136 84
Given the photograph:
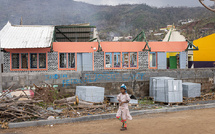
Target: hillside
198 29
110 20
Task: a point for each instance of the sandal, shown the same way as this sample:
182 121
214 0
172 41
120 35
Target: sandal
123 128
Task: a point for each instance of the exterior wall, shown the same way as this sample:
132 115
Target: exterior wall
206 49
143 60
137 81
98 61
6 65
204 57
168 46
98 57
52 61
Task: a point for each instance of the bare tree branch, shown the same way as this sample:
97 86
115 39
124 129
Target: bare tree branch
213 10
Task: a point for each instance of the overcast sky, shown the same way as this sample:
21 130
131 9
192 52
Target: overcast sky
157 3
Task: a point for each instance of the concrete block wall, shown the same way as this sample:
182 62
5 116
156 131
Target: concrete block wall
143 60
52 61
6 65
137 81
98 61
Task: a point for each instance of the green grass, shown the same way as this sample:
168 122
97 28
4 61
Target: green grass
146 102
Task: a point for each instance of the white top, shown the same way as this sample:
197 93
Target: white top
123 98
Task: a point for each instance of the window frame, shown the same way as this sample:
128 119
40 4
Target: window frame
149 61
11 57
67 61
39 61
121 61
28 62
31 59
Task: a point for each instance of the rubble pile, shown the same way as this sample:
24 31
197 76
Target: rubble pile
46 103
17 109
46 93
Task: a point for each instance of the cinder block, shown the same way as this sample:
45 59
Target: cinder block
90 93
191 90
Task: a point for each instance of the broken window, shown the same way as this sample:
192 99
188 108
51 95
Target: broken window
133 59
42 60
71 60
153 59
15 61
63 60
33 60
24 60
117 59
125 60
108 60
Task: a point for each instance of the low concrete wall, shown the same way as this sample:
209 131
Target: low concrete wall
105 116
137 81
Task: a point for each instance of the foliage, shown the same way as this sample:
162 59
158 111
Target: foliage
120 20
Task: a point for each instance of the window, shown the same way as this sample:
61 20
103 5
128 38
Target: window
71 60
125 60
117 59
15 61
24 60
121 60
42 60
133 59
153 59
67 60
108 60
63 60
33 59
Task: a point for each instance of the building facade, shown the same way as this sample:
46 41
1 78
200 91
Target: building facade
49 48
205 57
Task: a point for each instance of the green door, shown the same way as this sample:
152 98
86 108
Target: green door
173 62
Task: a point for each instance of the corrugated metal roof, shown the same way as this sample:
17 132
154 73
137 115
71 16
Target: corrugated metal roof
175 36
26 36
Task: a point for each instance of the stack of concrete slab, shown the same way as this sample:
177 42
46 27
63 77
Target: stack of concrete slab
166 89
191 90
153 84
90 93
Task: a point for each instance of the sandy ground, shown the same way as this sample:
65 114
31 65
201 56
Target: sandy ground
185 122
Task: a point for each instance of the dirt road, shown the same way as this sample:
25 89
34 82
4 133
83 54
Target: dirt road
186 122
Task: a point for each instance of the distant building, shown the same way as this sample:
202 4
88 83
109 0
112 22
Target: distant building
122 38
117 38
167 28
158 34
184 22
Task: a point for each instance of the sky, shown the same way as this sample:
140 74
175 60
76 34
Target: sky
156 3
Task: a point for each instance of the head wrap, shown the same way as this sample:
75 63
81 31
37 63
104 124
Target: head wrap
123 86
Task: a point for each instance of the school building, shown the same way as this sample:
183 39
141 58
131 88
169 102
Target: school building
29 48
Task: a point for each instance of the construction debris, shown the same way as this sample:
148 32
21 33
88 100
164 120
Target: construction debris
47 103
47 93
14 110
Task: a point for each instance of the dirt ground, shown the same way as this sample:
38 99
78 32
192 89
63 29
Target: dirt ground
186 122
